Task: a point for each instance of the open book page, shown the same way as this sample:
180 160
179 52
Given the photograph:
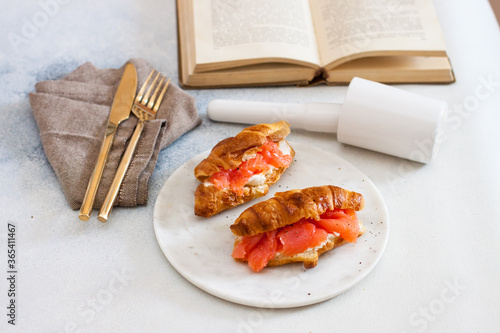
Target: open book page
350 29
227 32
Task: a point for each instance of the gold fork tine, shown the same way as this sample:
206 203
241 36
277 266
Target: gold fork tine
138 98
157 105
144 110
146 96
152 100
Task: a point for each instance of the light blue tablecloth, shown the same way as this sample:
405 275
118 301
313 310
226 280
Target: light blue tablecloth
439 271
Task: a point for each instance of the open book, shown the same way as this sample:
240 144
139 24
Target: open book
226 43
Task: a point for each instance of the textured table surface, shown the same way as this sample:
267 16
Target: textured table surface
439 271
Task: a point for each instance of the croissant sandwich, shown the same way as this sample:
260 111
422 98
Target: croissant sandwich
242 168
297 226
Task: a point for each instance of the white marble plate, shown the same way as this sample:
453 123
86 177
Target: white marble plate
200 248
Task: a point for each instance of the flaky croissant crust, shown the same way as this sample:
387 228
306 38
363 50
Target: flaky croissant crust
230 152
289 207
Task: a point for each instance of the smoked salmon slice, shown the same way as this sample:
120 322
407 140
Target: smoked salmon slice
263 251
299 237
245 246
269 156
344 222
296 238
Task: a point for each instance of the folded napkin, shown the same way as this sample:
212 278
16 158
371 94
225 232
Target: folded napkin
72 113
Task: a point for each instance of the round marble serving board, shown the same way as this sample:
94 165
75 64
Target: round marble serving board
200 248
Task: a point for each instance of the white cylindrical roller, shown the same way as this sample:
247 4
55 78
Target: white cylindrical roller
392 121
317 117
374 116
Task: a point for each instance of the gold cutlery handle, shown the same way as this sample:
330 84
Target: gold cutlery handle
95 178
120 173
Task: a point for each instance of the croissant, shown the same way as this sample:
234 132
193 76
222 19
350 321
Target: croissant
241 168
327 208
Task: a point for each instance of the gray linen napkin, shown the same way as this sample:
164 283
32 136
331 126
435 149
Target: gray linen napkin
72 113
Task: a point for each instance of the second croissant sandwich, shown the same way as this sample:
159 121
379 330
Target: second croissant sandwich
297 226
242 168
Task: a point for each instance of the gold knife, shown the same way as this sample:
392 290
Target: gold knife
120 110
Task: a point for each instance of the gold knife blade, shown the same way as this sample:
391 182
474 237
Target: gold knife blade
120 110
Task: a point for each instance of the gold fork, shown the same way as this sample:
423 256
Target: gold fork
145 108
